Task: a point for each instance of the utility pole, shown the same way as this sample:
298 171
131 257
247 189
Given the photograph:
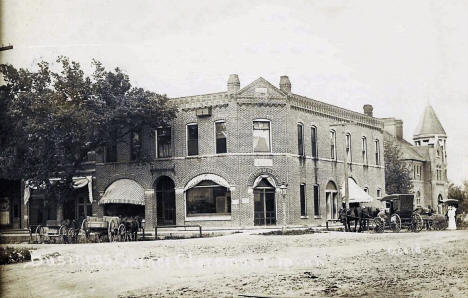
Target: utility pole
6 48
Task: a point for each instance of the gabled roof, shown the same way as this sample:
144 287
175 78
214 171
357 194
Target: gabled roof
407 150
250 89
429 124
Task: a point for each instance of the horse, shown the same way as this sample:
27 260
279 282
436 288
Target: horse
366 214
132 226
348 215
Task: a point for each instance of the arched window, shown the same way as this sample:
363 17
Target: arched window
364 150
349 154
208 198
333 144
377 152
300 139
313 137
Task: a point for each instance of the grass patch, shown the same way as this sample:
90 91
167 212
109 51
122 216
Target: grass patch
12 255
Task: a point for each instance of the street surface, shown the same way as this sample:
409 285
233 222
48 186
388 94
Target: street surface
425 264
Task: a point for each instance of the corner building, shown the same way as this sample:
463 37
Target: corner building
255 156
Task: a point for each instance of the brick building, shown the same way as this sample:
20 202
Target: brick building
427 158
259 155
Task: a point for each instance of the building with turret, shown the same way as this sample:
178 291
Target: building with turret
426 157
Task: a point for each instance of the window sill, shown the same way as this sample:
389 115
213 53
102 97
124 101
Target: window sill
317 217
304 217
208 218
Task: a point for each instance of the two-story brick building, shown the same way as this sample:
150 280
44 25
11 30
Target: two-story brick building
259 155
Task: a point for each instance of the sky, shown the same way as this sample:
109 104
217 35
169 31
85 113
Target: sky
398 56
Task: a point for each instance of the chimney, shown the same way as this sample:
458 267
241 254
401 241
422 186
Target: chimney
233 83
368 110
394 127
285 84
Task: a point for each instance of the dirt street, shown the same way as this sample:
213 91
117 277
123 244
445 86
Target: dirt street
425 264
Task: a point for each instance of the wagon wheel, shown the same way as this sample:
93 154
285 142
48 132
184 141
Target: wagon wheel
379 225
122 233
112 230
71 235
395 223
62 233
417 223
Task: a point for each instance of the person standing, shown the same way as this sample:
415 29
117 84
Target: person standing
451 215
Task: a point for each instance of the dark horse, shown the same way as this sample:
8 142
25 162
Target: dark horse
360 215
132 226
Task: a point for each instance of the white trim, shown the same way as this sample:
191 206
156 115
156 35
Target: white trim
212 177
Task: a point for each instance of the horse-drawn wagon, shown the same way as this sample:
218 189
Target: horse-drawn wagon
400 214
103 228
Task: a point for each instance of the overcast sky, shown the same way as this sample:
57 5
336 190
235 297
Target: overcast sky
396 55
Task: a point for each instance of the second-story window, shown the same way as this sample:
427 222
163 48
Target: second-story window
221 137
163 142
364 150
313 137
192 139
377 152
349 154
111 152
300 139
333 144
261 136
135 144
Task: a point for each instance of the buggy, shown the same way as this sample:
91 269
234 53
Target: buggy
400 215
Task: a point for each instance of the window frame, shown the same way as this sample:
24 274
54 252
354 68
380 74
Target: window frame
270 135
365 159
316 200
215 137
303 197
132 145
349 150
187 139
300 147
377 152
313 141
156 135
333 155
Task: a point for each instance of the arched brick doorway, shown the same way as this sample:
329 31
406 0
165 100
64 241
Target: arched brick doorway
165 201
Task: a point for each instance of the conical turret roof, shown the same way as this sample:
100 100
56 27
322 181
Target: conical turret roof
429 124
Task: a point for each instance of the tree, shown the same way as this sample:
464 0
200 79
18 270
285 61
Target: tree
51 120
459 193
397 172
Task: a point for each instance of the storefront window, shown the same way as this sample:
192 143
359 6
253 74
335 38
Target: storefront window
208 198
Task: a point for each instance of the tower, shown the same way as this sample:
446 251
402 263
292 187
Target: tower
430 140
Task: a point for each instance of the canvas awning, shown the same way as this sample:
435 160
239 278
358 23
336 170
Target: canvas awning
124 191
356 193
78 182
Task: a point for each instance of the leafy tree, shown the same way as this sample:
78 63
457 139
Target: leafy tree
397 172
459 193
50 120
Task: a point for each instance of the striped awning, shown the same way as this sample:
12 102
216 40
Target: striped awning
124 191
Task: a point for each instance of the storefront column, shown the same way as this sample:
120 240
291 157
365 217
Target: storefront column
150 215
60 198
